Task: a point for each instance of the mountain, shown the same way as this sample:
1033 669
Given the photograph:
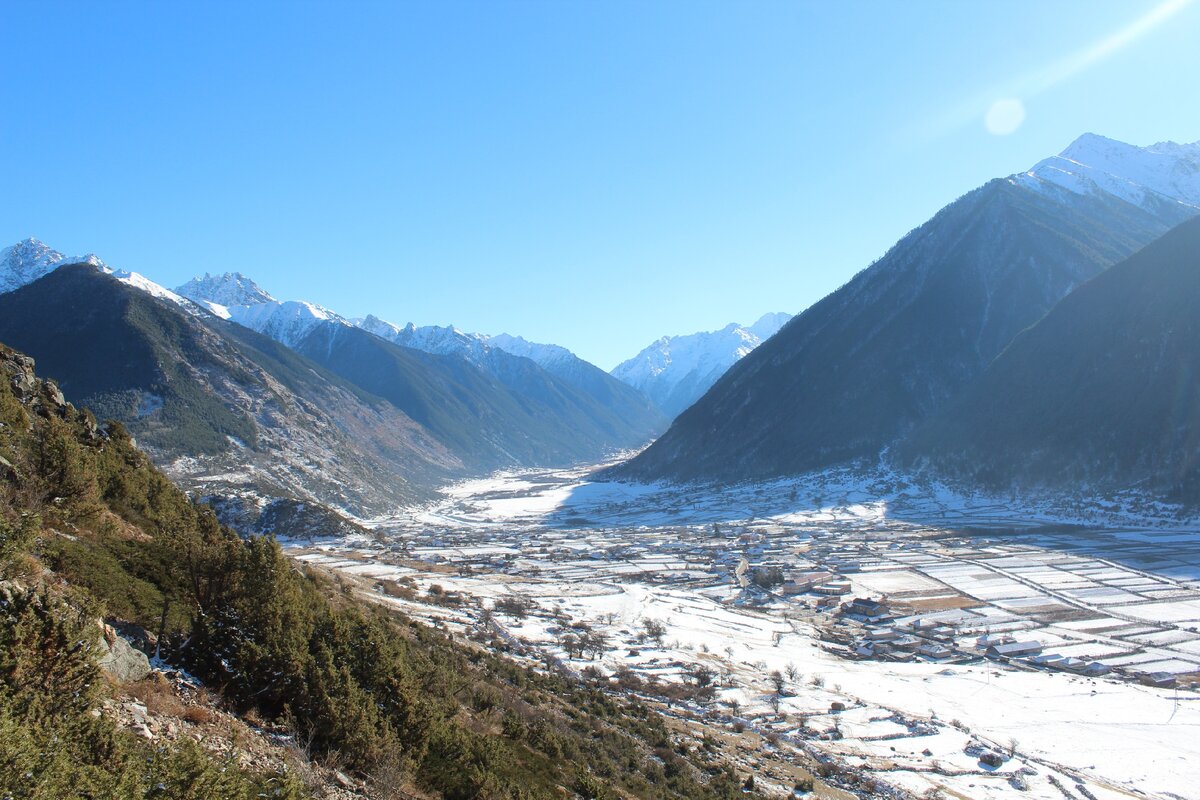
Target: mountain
29 259
676 371
229 289
490 408
1102 392
907 335
208 638
223 409
502 357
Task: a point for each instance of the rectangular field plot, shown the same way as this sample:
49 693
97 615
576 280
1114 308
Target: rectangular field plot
1178 611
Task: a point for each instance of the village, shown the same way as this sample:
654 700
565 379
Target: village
977 660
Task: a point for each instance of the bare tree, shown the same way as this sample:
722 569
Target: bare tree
655 630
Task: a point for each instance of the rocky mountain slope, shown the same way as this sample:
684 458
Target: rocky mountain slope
225 410
1104 392
504 357
268 678
676 371
491 408
907 335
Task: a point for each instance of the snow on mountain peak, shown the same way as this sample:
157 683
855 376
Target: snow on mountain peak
675 371
543 354
30 259
1144 176
228 289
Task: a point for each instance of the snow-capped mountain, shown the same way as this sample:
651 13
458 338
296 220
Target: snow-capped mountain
30 259
237 298
1143 176
855 373
229 289
543 354
676 370
443 340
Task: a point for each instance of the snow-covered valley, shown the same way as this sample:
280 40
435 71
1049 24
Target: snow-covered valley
655 590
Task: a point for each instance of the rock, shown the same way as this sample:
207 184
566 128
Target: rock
837 705
119 659
991 759
54 394
343 780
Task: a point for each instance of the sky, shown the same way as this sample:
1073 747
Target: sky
593 174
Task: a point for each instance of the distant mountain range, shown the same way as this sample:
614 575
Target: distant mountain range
251 400
675 371
909 337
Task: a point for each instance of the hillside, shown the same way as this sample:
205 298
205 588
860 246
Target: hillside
1104 392
490 408
905 336
225 410
89 529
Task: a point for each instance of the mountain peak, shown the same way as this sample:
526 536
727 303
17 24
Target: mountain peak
30 259
675 371
227 289
1166 172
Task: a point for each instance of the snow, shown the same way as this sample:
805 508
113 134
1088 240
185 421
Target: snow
287 322
675 371
229 289
30 259
1094 164
542 354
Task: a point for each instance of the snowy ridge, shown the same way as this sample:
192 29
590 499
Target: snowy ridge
237 298
287 322
1163 172
30 259
437 339
676 370
542 354
229 289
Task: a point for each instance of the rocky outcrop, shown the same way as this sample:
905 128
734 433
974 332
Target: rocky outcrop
120 660
40 396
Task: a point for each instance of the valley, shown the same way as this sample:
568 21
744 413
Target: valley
659 586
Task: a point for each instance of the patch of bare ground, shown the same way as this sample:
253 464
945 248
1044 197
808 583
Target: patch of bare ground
167 707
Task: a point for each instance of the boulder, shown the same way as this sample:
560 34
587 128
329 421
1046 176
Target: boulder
120 660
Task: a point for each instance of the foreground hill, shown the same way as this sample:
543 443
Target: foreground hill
906 336
1103 392
225 409
89 528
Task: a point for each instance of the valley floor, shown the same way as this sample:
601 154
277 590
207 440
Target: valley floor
1122 601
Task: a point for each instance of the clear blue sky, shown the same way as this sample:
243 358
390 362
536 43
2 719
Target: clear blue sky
594 174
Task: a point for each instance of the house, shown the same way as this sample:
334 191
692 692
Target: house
867 609
1096 669
1163 680
833 588
990 639
933 650
1046 659
1014 650
805 581
865 650
882 635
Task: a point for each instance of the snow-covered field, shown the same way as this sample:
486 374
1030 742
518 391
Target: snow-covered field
613 556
